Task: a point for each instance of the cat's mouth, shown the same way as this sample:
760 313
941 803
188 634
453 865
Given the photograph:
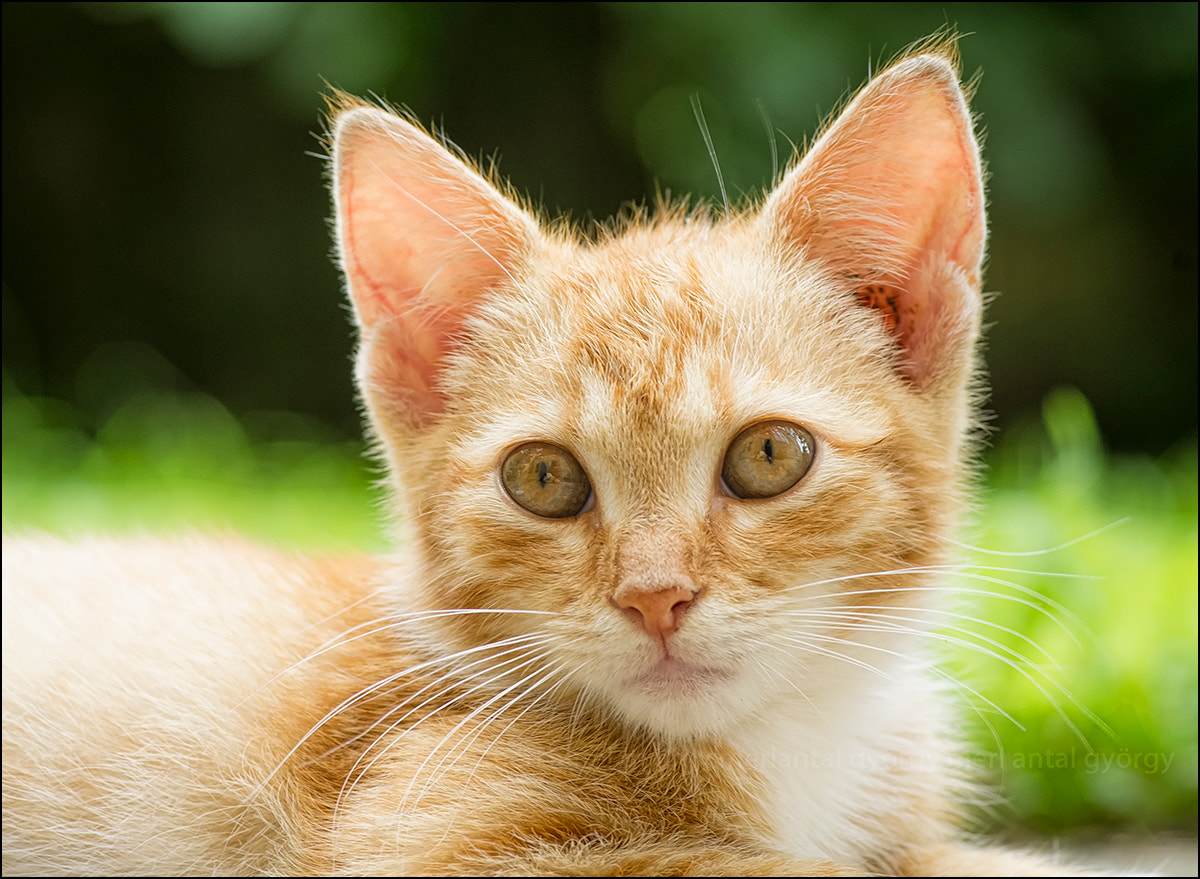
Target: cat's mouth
674 677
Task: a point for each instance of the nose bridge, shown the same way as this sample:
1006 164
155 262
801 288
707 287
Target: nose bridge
655 587
653 558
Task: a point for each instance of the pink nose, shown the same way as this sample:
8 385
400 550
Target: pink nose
658 613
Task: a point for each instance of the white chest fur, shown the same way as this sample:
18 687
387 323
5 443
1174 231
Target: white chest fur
841 767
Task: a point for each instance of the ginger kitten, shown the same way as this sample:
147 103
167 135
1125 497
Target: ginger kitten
673 505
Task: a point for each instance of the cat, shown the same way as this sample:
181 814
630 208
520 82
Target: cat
674 502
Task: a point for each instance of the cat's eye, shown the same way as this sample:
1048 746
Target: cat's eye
546 480
767 459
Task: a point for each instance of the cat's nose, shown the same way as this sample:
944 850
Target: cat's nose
657 612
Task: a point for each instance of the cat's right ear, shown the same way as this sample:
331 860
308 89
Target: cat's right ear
422 239
890 199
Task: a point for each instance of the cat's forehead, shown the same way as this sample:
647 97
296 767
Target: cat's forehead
642 301
687 341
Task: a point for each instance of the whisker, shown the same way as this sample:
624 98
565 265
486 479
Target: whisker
458 726
771 140
478 731
474 734
375 689
382 624
1018 663
957 684
866 666
762 664
712 151
868 621
1035 552
961 571
866 611
455 676
360 769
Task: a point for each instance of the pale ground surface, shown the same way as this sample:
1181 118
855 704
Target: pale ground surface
1155 855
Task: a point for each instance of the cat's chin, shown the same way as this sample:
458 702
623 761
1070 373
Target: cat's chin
679 699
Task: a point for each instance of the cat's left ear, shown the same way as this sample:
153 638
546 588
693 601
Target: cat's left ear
890 198
423 239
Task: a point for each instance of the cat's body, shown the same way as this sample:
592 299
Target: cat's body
676 508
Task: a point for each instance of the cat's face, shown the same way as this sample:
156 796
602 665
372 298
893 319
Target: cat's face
679 461
636 384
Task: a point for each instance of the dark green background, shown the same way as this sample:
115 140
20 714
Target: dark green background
165 217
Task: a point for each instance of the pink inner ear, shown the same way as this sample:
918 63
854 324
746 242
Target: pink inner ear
400 372
889 192
423 240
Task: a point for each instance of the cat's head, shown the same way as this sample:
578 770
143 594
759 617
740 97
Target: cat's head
679 459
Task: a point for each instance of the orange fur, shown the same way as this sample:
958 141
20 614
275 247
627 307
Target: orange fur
668 680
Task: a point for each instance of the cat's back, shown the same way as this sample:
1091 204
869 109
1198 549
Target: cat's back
129 614
154 680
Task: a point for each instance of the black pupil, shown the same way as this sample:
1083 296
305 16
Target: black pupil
769 450
543 472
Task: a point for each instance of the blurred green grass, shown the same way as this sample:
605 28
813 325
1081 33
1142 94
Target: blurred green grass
172 461
1100 731
1116 747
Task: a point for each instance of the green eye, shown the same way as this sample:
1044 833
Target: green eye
767 459
546 480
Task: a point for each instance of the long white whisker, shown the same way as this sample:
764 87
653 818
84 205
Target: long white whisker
1050 603
1034 552
866 666
530 685
358 770
485 723
383 624
937 671
1020 665
375 688
867 612
865 621
712 150
762 664
456 677
491 672
458 726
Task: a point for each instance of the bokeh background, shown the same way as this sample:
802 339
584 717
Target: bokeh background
160 188
175 336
